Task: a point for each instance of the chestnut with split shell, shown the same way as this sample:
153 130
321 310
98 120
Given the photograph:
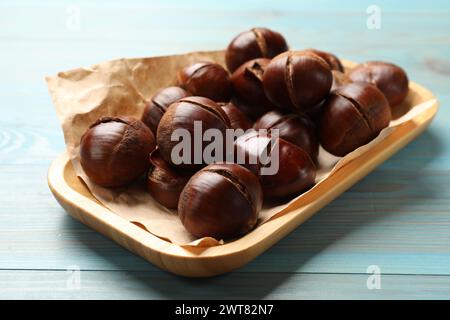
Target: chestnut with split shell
180 121
238 120
353 115
222 201
331 59
252 44
165 182
295 128
248 88
206 79
388 77
284 169
297 81
159 103
114 151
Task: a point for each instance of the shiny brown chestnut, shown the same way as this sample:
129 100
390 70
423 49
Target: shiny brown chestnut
159 103
165 182
183 116
238 120
115 151
206 79
221 201
248 88
331 59
284 169
252 44
297 81
295 128
339 79
389 78
353 115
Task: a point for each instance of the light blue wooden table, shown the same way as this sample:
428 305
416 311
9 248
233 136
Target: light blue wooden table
397 218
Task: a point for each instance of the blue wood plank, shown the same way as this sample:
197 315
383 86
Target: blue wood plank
397 218
390 218
44 284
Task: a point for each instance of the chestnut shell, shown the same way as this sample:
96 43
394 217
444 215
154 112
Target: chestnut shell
249 90
252 44
388 77
238 120
165 182
332 60
181 115
353 115
159 103
220 201
206 79
114 151
296 170
297 129
297 81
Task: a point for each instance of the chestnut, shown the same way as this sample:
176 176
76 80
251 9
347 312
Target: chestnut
284 169
339 79
238 120
331 59
165 182
389 78
184 116
115 151
297 81
222 201
159 103
206 79
255 43
295 128
248 88
353 115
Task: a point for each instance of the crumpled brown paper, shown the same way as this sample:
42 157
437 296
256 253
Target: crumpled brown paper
121 87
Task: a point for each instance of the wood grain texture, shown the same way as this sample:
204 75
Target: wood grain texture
50 284
406 227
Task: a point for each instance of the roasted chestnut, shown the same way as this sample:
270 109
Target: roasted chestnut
220 201
297 81
331 59
389 78
238 120
165 182
252 44
295 128
206 79
159 103
339 79
248 88
187 120
115 151
284 169
353 115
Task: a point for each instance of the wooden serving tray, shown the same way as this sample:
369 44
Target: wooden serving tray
76 199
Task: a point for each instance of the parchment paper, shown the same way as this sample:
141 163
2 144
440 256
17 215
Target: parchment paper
121 87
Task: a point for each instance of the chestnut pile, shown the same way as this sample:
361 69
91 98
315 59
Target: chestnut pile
307 96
